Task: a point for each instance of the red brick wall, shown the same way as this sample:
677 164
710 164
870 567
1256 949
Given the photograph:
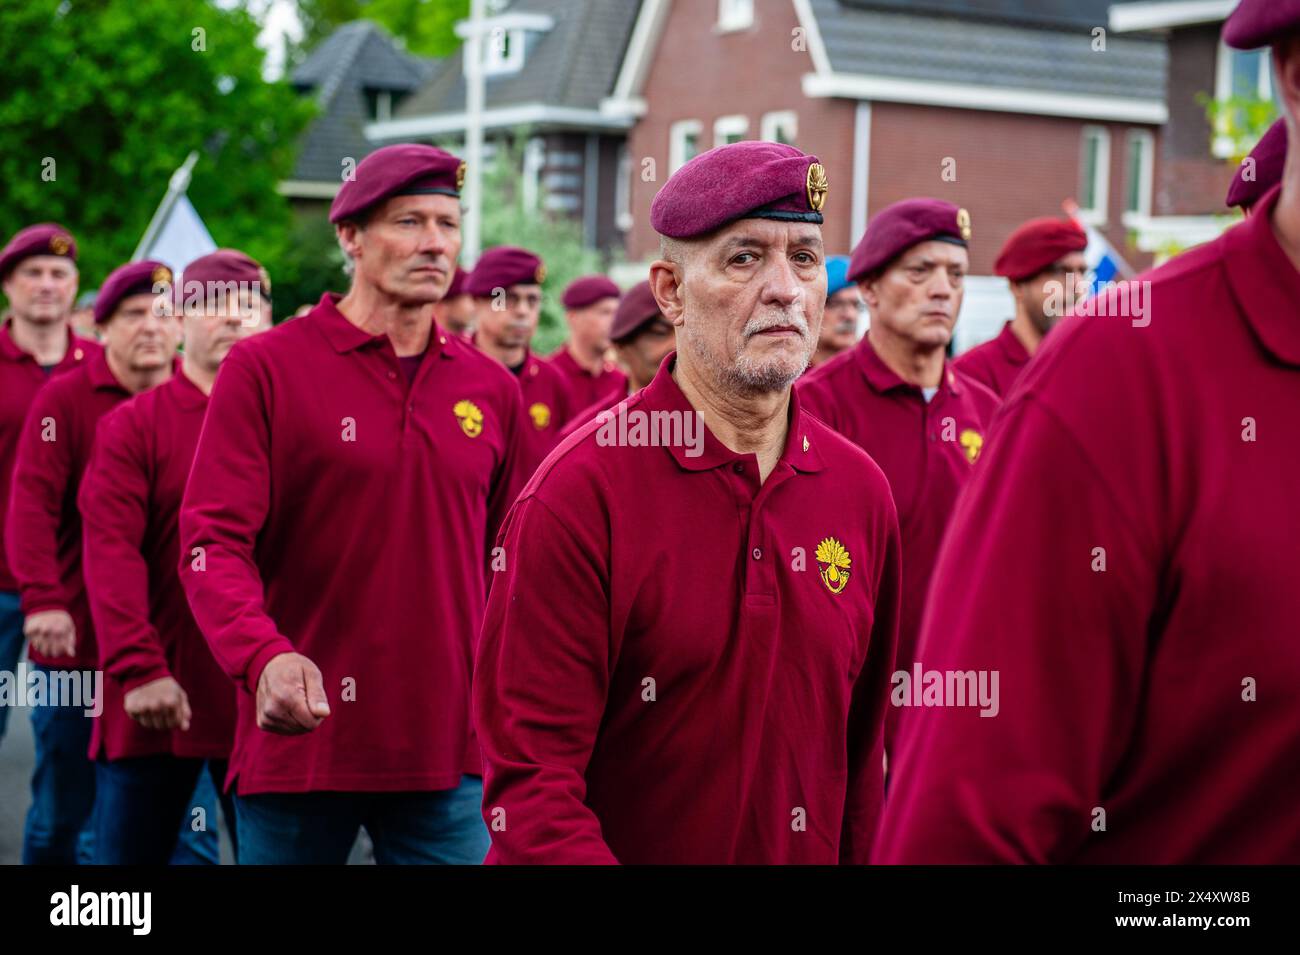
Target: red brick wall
1009 167
700 74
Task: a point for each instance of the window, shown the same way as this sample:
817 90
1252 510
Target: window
503 52
1139 167
1240 74
735 15
623 190
683 143
730 129
380 103
534 160
1094 175
782 127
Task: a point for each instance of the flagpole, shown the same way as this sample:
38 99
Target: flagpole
180 182
474 95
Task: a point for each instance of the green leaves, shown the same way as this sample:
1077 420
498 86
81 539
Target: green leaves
116 95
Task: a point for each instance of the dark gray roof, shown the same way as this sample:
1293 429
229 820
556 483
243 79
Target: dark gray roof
357 56
986 42
574 64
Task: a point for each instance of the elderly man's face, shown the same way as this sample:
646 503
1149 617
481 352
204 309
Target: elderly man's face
752 301
408 247
142 333
918 296
212 330
840 323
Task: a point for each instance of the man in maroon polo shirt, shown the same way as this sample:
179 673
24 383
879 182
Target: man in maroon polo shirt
506 286
38 269
1125 559
589 306
43 539
455 312
352 470
704 680
895 396
1043 263
642 339
169 711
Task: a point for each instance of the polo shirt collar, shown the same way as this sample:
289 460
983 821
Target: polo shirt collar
188 395
1264 281
1011 346
663 394
100 375
347 337
882 378
9 348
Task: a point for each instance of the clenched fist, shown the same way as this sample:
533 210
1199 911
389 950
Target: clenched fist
291 696
159 705
52 633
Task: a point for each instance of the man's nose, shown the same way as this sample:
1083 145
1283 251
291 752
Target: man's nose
782 287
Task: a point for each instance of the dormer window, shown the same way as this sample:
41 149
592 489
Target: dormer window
735 15
380 103
504 52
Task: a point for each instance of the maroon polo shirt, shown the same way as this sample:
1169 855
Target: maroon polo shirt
20 378
590 412
996 363
130 498
678 683
926 449
345 514
1170 450
584 387
43 530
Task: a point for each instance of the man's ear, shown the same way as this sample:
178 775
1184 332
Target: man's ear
1286 74
867 289
349 234
666 286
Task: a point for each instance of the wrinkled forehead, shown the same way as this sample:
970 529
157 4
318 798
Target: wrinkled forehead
57 263
934 253
429 205
765 233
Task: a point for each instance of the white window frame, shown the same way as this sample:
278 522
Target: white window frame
735 15
1096 215
494 63
786 119
677 134
1222 146
623 190
1146 183
725 126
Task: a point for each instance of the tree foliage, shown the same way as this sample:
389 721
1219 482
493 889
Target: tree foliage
424 26
104 100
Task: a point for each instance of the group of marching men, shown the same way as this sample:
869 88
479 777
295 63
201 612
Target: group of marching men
376 567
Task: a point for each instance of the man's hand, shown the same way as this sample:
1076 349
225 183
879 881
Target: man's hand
52 633
291 696
159 705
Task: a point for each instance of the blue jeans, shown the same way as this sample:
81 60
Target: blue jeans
144 811
11 643
407 828
58 829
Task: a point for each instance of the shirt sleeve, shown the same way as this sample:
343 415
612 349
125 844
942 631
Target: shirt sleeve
114 502
1047 583
42 469
864 799
541 681
223 511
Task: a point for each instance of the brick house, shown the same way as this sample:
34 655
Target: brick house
1003 107
1195 165
553 64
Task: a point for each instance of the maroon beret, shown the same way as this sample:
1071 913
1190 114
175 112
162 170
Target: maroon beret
895 229
457 286
410 169
1258 23
219 268
502 267
589 290
1036 245
1265 172
637 307
47 238
748 180
134 278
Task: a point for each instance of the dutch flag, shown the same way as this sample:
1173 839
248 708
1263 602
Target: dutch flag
1105 264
